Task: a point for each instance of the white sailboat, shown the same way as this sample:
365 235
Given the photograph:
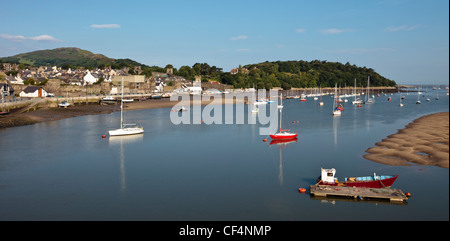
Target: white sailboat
358 100
369 100
320 93
125 129
336 110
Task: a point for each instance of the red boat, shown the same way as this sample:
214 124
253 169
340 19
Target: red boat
375 181
283 134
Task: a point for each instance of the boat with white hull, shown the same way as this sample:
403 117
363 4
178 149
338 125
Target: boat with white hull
125 129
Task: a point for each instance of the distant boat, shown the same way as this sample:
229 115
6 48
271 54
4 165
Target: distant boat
283 134
109 98
255 108
369 100
418 100
127 100
125 129
321 101
376 181
303 97
155 96
336 110
64 104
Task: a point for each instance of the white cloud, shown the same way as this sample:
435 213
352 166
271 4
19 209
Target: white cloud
240 37
44 38
300 30
23 38
401 28
334 31
12 37
113 25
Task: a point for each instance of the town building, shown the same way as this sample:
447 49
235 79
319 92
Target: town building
33 91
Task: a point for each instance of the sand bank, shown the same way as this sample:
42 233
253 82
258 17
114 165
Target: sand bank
425 141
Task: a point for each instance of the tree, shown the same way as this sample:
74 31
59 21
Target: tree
99 81
29 81
186 72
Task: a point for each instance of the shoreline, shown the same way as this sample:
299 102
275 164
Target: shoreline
424 141
21 117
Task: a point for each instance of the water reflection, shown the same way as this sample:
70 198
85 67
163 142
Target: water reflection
282 144
115 141
335 129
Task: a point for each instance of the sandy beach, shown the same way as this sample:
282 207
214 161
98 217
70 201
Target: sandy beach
425 141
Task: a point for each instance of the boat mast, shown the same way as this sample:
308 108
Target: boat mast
281 100
121 109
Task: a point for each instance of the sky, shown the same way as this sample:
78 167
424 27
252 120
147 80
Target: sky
403 40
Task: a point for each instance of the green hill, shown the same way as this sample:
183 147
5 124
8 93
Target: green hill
285 74
304 74
68 57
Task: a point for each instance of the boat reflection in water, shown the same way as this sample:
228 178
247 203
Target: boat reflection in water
119 141
282 143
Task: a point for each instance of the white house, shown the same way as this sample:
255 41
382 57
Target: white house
90 78
16 80
33 91
196 88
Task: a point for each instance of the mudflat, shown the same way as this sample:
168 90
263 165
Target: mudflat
425 141
20 117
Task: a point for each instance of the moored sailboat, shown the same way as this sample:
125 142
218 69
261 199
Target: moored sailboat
369 100
336 109
283 134
125 129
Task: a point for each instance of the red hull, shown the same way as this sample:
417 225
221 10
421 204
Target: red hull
283 137
368 184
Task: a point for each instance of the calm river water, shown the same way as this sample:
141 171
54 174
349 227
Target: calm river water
64 170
